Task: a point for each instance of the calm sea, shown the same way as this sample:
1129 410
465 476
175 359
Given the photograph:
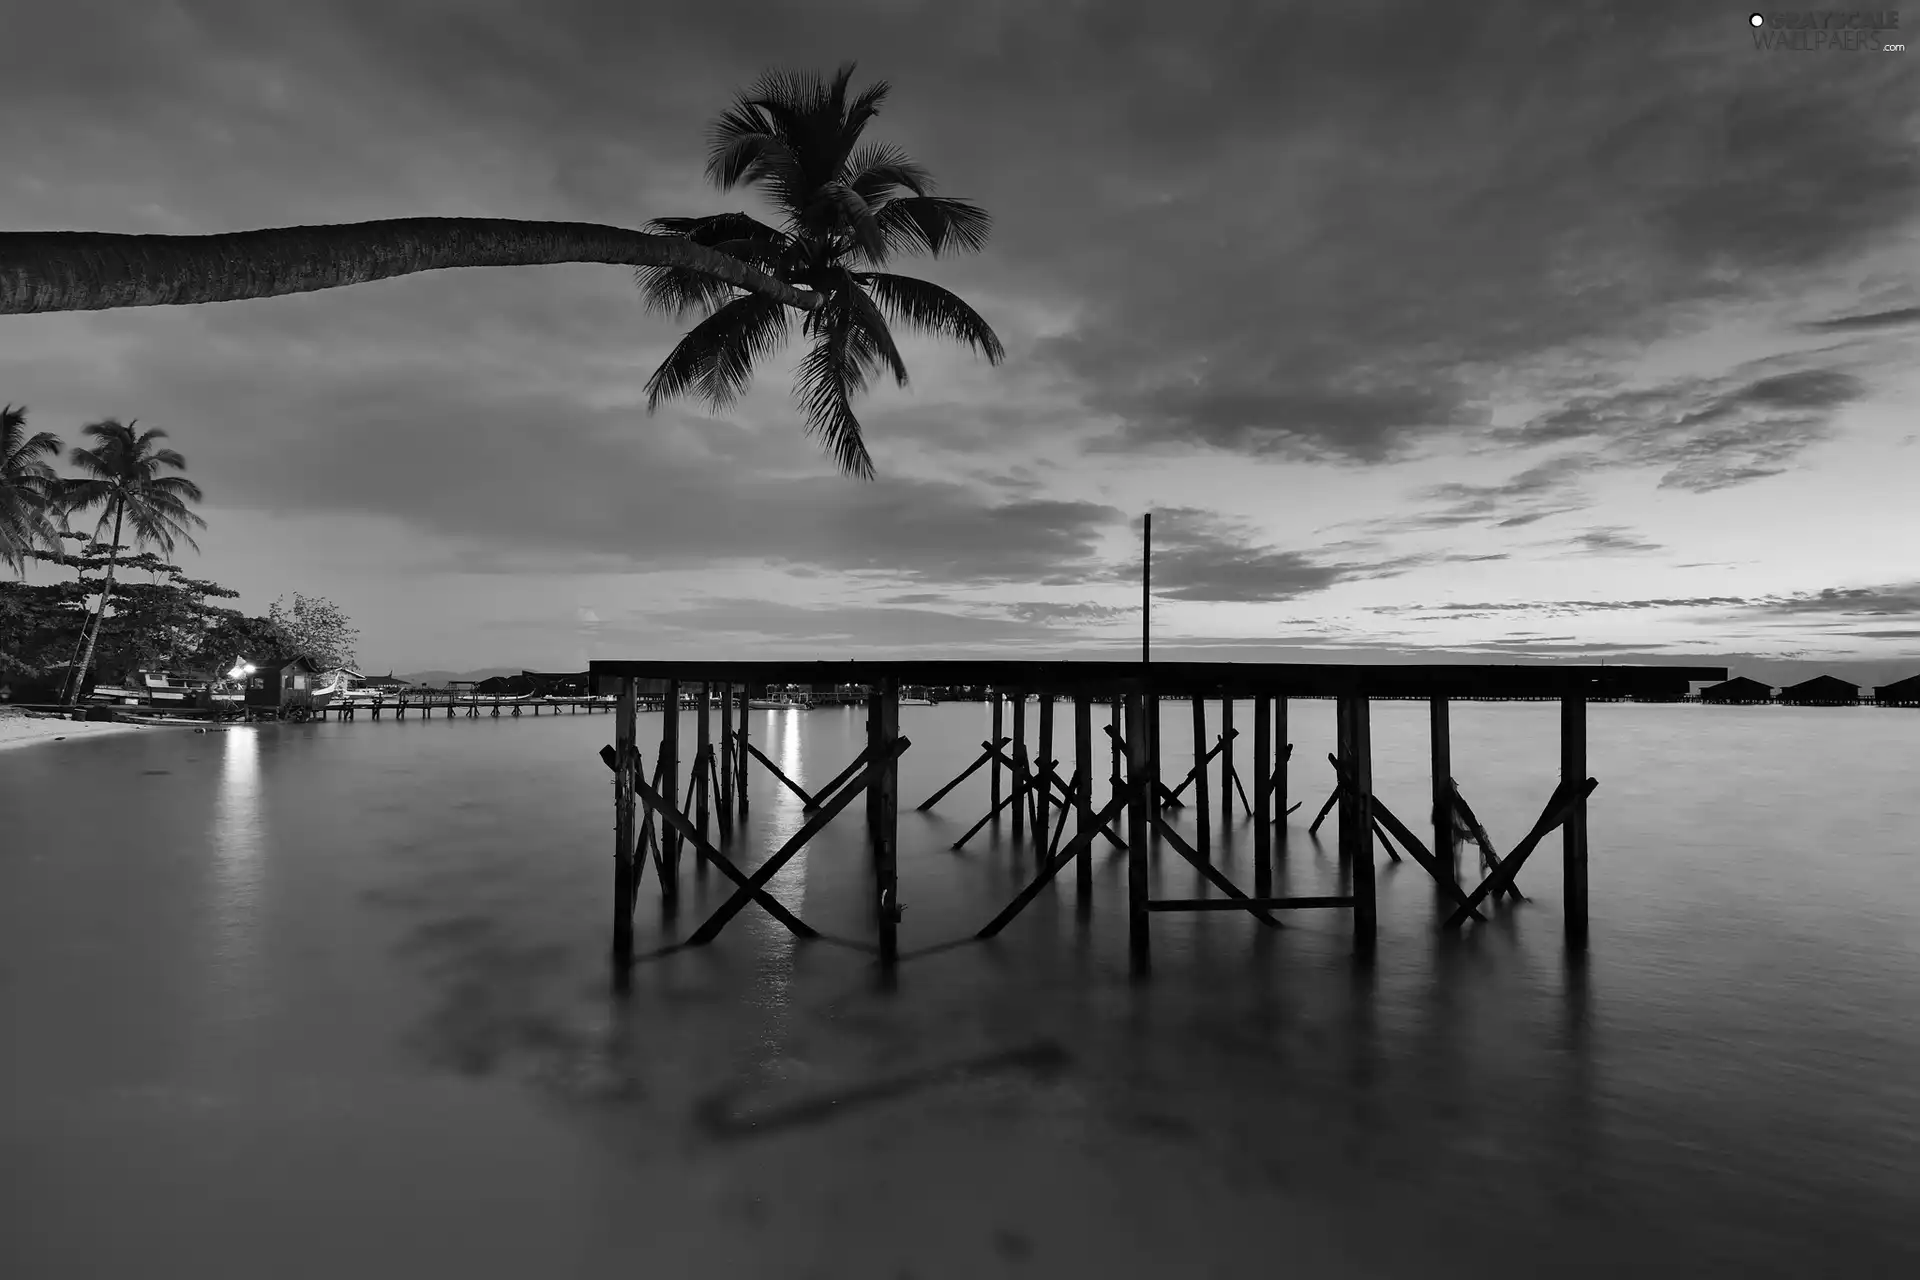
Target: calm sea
332 1000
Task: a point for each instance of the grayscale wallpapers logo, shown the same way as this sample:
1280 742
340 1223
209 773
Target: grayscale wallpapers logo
1827 31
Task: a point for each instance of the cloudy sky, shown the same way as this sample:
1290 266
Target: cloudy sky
1514 329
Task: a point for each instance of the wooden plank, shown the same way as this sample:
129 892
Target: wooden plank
677 821
1049 869
1559 805
1333 798
1167 798
1489 860
1228 778
1194 772
805 799
820 796
752 888
726 760
740 756
1365 917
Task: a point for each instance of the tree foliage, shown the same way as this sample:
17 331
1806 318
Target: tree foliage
315 627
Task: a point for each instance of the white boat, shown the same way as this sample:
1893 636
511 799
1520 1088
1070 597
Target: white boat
775 704
916 702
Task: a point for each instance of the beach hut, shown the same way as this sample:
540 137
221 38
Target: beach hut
1821 691
387 683
1736 691
1901 693
553 684
275 682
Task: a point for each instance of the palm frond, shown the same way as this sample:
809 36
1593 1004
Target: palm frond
680 291
934 224
838 205
715 359
923 305
877 168
829 376
871 340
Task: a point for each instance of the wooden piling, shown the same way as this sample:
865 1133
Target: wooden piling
1445 844
1202 828
997 699
1573 772
1140 802
1153 748
883 813
703 747
740 754
670 838
1360 762
1044 762
1117 779
1018 783
1083 761
1228 778
1262 798
1283 752
726 760
1342 798
623 877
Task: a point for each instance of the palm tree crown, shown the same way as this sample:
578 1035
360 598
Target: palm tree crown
121 476
29 490
846 206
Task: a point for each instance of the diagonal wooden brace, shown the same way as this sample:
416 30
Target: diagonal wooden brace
1167 798
1052 868
1325 809
753 888
987 751
680 823
820 796
774 769
1489 860
1204 761
1559 806
1212 873
1410 842
1066 797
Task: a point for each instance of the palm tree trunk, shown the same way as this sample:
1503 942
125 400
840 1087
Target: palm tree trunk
79 674
96 270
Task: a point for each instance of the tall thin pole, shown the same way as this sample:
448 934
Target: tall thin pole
1146 590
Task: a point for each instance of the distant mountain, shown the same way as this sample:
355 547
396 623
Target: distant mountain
441 677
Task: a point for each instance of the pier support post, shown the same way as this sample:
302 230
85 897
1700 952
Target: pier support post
883 813
1153 749
1262 798
740 754
1117 778
997 735
670 837
1283 756
1573 772
725 799
1445 845
1342 797
1018 783
1140 802
702 769
1228 778
1043 762
1358 831
1083 795
1203 830
623 877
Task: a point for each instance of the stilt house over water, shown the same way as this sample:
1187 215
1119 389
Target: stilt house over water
1901 693
1737 690
1821 691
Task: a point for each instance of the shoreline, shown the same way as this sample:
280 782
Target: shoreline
21 729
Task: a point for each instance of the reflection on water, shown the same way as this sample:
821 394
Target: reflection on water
434 1073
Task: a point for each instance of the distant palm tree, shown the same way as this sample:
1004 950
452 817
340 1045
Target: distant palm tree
120 476
97 270
845 206
29 490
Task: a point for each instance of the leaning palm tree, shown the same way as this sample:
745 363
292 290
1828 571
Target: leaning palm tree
96 270
120 475
845 207
29 490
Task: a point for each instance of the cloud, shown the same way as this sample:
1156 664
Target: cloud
1046 612
1895 318
1609 541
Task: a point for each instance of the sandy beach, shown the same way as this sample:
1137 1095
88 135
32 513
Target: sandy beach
18 729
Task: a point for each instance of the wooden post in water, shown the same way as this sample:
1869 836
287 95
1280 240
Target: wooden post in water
702 783
726 761
1083 761
1343 751
740 754
1227 776
1360 854
1573 835
1153 749
1140 802
623 879
670 836
1445 846
1280 750
1020 770
1044 760
1262 797
1202 829
998 708
1117 778
883 813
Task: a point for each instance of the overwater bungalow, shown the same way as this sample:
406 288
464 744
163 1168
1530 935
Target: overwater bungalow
1901 693
1821 691
1737 691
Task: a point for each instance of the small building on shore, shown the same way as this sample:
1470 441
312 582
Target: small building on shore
1737 691
275 682
1901 693
1821 691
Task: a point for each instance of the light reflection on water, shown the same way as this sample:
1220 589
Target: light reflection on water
414 916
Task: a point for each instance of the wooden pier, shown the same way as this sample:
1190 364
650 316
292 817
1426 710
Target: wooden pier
1131 816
